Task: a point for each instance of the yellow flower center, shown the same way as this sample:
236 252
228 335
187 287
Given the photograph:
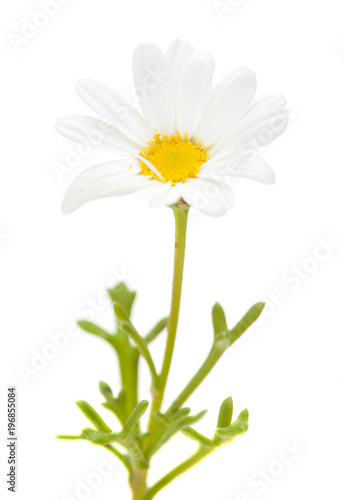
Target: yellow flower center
175 158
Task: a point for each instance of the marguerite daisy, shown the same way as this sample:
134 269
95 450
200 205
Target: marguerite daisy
189 140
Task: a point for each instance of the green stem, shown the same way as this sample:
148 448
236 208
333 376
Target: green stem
222 342
128 364
181 216
183 467
138 484
213 357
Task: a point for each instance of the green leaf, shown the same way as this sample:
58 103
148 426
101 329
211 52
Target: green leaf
168 426
89 327
125 437
196 436
69 437
195 418
225 413
93 417
135 416
176 417
225 431
100 438
219 319
126 326
159 327
250 317
93 436
206 446
123 296
106 390
116 405
120 312
237 428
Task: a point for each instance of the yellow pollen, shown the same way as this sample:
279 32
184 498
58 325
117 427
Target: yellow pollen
176 158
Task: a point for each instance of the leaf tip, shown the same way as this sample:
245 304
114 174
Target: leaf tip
105 389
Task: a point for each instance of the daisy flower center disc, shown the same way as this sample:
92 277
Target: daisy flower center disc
176 158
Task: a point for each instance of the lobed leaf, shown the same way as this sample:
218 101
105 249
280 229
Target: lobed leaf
123 296
116 405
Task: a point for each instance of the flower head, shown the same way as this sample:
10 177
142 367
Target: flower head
188 141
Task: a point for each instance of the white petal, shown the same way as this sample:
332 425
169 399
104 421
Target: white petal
112 106
152 188
154 88
193 92
222 83
97 134
224 165
113 178
167 197
263 123
256 169
209 196
150 166
177 55
245 165
268 100
230 101
160 193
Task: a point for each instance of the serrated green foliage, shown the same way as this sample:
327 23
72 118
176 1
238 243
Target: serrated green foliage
140 445
116 405
234 430
222 341
206 446
123 296
121 314
128 354
225 431
166 427
126 437
112 449
127 327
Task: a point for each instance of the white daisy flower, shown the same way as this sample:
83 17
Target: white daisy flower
189 140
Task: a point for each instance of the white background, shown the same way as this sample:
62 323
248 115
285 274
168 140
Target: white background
289 372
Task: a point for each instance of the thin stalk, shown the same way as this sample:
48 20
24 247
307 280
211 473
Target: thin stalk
213 357
222 342
183 467
181 216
